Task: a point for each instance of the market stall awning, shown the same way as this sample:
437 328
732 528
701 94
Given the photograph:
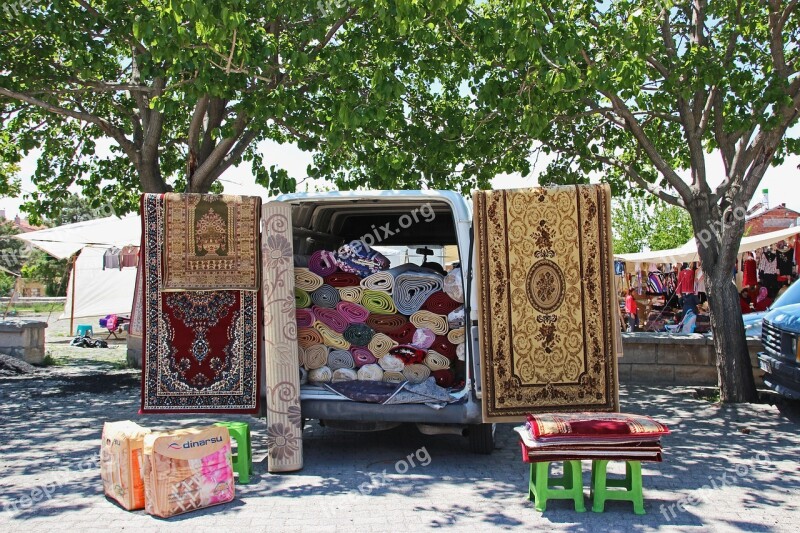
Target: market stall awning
64 241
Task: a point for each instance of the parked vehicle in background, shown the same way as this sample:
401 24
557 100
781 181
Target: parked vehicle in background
780 358
752 321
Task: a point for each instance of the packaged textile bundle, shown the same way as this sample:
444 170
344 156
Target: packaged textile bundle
186 470
397 325
121 463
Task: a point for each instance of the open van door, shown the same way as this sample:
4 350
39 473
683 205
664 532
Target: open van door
546 301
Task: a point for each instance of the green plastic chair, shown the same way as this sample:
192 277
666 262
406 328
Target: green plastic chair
542 487
243 458
631 485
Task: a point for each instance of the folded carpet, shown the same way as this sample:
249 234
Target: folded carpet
304 318
351 294
320 375
340 359
404 334
386 323
370 372
416 373
444 347
308 337
379 281
352 312
432 321
436 361
378 302
322 263
381 344
358 258
391 376
391 363
330 337
331 318
342 279
315 356
444 378
362 356
344 374
412 287
307 280
358 334
440 303
301 298
456 336
325 296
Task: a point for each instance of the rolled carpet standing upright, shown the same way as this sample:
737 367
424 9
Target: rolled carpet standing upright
284 430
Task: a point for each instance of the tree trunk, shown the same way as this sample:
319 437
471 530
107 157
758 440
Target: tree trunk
734 370
150 177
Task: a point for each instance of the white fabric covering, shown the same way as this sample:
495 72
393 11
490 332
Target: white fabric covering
99 292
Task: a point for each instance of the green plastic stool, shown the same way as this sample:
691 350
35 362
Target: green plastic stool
83 330
542 487
632 485
243 458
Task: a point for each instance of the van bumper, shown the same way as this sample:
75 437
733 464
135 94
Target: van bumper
463 413
782 377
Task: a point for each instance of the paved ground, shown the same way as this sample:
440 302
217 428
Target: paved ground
733 467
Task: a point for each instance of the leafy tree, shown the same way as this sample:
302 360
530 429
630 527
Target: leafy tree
630 224
641 224
52 272
12 252
640 91
672 227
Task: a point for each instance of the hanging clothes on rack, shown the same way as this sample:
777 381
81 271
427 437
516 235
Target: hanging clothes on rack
749 269
130 256
768 268
112 258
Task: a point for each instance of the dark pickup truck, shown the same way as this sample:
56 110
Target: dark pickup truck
780 358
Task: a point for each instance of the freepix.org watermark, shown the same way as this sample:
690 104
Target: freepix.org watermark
730 477
377 481
378 234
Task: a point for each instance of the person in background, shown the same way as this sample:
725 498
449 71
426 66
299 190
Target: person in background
686 289
631 310
744 301
700 283
763 301
689 322
784 287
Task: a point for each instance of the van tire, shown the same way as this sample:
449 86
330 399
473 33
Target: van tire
481 438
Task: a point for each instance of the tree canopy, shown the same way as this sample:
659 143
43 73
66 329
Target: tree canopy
639 225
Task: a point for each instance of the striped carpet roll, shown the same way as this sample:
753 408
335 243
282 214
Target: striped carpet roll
379 281
331 318
330 337
457 336
423 338
358 334
390 363
386 323
301 298
325 296
416 373
342 279
308 337
315 356
344 374
306 280
440 303
370 372
304 318
351 294
444 347
412 288
362 356
320 375
393 377
404 334
322 263
340 359
381 344
378 302
352 312
436 361
432 321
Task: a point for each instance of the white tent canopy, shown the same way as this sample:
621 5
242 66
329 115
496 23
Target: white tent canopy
687 253
96 292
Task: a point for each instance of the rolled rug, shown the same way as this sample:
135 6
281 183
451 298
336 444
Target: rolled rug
386 323
416 373
357 257
342 279
331 318
322 263
457 336
408 354
391 363
455 319
351 294
381 344
320 375
330 337
453 285
306 280
308 337
461 352
444 347
393 377
358 334
412 287
352 312
315 356
379 281
432 321
304 317
403 334
301 298
440 303
378 302
362 356
423 338
303 376
444 378
340 359
344 374
325 296
371 372
436 361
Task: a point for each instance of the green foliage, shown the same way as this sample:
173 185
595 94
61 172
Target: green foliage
641 224
47 270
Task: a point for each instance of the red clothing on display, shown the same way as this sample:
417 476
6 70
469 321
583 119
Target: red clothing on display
744 304
763 305
685 282
630 305
749 272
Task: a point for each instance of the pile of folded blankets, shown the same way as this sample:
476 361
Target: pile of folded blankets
591 436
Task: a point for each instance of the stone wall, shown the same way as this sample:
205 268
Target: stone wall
134 351
669 359
23 339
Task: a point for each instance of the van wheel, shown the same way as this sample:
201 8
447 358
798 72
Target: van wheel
481 438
